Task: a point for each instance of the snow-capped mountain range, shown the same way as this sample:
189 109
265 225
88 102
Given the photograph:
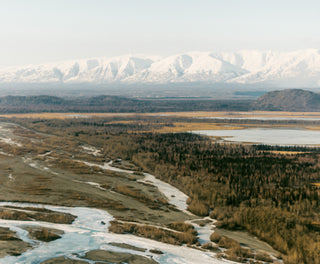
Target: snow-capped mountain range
280 69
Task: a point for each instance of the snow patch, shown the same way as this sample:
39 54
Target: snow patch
10 141
6 154
87 233
92 151
36 165
173 195
11 178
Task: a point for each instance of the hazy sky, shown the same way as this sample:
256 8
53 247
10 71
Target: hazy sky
39 31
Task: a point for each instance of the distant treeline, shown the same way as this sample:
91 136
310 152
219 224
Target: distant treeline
114 104
286 100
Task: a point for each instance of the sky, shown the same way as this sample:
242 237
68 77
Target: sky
42 31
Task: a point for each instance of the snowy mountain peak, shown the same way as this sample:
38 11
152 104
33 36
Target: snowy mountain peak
297 68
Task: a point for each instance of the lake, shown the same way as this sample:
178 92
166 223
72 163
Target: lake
268 136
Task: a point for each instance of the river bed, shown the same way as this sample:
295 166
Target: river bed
87 233
90 231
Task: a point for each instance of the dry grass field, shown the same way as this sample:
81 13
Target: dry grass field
273 114
192 125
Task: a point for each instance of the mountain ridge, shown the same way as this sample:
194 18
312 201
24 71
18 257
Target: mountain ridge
279 69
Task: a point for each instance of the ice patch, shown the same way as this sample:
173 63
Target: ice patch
95 184
45 154
173 195
87 233
205 231
10 141
92 151
6 154
38 166
11 178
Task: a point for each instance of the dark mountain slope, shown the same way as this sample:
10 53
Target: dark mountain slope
288 100
31 100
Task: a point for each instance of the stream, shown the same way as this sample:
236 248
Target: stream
88 233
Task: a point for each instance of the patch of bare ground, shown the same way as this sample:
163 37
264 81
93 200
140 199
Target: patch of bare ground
140 196
246 239
117 257
155 233
27 133
63 260
44 234
125 165
10 244
211 246
235 252
156 251
38 215
127 246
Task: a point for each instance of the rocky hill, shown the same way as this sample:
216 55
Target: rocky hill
288 100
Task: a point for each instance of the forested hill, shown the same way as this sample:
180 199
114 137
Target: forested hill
288 100
285 100
114 104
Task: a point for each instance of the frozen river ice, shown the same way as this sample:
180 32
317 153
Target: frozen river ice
87 233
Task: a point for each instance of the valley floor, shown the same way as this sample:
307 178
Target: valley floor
86 166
